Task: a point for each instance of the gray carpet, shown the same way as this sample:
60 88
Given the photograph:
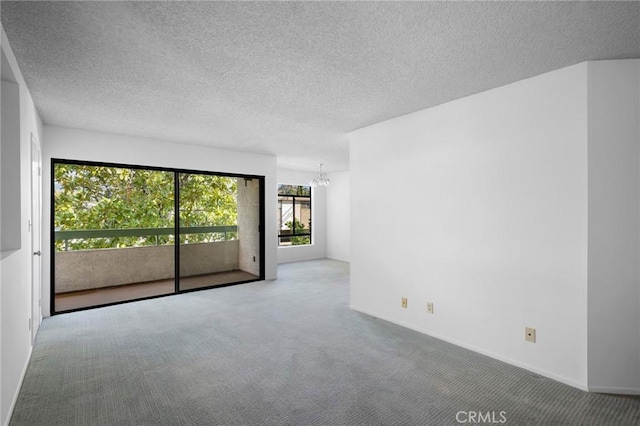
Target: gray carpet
285 352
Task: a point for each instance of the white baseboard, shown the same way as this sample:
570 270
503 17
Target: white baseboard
533 369
15 396
614 390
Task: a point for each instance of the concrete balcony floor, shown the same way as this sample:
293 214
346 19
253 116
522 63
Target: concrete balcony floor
122 293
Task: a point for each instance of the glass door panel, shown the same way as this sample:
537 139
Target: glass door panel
114 235
216 243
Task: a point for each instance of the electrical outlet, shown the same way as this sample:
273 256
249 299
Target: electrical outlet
404 302
430 307
530 334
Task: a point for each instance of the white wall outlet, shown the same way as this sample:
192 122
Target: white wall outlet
430 307
530 334
403 302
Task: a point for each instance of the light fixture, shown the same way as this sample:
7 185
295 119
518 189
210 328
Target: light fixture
321 180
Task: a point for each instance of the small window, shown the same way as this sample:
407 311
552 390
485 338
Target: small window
294 215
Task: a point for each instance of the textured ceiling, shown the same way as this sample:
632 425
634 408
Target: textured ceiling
291 78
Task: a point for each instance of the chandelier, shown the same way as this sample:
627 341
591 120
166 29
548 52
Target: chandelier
321 180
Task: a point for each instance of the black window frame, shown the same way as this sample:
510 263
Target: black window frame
294 233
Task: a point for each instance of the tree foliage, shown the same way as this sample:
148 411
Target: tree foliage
96 197
298 228
207 200
302 190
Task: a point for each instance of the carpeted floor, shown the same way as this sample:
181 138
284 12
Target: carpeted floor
284 352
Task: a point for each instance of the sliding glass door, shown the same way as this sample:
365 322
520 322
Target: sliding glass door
115 230
113 234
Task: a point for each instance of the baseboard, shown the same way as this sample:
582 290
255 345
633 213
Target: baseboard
15 396
338 259
614 390
482 351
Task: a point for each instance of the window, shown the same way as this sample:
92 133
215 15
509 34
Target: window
294 215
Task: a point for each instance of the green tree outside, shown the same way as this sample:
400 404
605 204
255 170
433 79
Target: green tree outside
298 227
95 197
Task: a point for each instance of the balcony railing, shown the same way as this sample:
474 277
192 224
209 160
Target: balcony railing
85 234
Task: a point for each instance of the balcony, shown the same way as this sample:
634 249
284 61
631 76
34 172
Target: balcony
102 276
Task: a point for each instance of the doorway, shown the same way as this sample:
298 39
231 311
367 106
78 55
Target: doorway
35 225
123 233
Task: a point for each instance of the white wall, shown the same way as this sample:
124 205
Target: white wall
522 208
15 281
74 144
480 206
338 217
317 249
614 226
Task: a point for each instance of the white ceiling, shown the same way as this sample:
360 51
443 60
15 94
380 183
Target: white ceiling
291 78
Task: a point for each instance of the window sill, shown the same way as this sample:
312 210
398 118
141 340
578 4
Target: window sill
297 246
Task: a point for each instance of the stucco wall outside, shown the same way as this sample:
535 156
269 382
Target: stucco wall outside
89 269
207 258
248 223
